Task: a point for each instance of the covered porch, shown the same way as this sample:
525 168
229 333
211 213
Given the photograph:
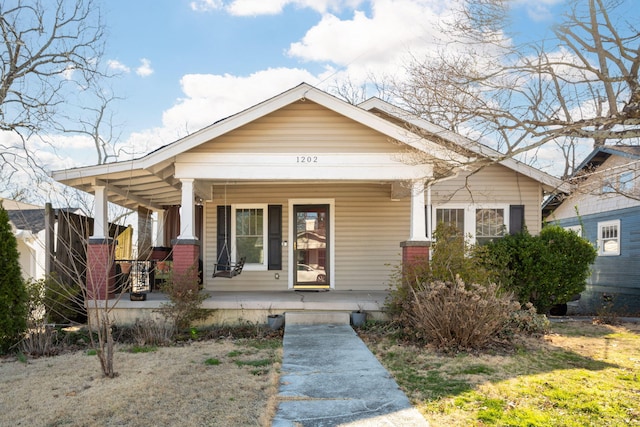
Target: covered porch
315 193
254 307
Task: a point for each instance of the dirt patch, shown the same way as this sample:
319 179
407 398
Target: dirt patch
171 386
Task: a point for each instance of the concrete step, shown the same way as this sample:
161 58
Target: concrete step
317 318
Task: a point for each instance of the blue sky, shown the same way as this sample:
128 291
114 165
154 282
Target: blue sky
183 64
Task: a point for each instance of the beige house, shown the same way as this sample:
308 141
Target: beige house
313 192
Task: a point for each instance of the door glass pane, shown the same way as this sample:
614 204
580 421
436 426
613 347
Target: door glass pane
311 244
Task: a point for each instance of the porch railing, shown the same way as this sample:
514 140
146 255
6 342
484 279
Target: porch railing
141 276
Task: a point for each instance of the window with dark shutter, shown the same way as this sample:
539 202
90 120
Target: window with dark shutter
223 234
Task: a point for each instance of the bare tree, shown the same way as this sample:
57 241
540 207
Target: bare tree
98 125
49 50
579 87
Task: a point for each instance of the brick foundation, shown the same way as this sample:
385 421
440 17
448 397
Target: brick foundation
100 269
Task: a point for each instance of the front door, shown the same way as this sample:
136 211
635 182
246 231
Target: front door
311 247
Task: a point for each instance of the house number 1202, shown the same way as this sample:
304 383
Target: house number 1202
307 159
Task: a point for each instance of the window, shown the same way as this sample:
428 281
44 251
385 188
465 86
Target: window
490 225
619 184
575 229
609 238
483 224
626 182
453 217
249 227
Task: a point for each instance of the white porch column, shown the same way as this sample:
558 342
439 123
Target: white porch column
187 211
160 216
100 224
418 232
429 213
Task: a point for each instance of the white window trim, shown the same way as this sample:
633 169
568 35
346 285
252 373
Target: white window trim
265 211
470 216
615 222
575 228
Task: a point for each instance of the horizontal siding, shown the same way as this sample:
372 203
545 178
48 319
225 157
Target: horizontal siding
588 198
614 275
494 184
368 230
301 127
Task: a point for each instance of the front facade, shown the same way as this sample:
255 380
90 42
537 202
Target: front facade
313 193
605 209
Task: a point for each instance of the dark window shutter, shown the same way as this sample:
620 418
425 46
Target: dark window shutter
516 219
426 220
275 237
223 235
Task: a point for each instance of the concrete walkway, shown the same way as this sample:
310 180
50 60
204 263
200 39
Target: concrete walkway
330 378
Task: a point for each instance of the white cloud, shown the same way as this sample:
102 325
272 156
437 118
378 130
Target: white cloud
144 70
269 7
379 43
68 72
118 66
210 97
206 5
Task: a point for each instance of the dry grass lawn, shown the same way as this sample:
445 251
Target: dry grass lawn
581 374
207 383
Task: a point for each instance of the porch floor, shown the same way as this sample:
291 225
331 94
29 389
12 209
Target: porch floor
255 305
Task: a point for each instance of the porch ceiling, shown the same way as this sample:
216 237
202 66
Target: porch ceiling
156 190
131 188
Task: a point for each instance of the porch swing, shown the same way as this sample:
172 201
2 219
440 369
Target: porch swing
228 270
224 267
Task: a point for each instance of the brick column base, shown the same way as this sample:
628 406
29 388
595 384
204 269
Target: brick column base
101 269
186 263
413 253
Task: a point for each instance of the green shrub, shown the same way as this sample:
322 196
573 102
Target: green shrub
452 256
545 270
13 293
185 300
63 303
528 321
453 315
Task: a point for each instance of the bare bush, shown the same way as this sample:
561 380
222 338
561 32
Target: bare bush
152 332
185 300
40 341
453 315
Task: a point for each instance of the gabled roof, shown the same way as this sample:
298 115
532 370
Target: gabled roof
594 160
149 180
601 153
550 183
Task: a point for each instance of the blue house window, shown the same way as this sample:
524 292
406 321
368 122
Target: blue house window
626 182
609 238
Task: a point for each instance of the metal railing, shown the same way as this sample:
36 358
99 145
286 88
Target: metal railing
139 276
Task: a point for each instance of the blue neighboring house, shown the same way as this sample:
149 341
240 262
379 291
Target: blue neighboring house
604 207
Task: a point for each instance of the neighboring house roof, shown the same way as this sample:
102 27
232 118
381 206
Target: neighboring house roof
28 219
13 205
550 183
600 154
591 163
156 170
